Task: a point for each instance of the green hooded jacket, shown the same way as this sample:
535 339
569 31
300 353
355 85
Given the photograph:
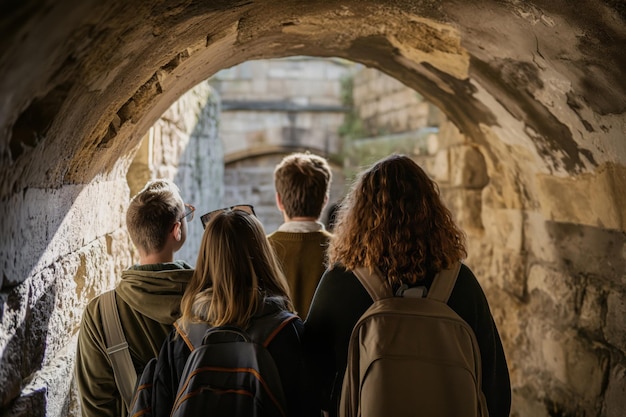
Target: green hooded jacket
148 300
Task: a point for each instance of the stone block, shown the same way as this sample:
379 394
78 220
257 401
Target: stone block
553 293
607 208
418 118
589 250
592 310
468 168
574 364
335 71
359 93
616 320
508 270
525 404
59 221
439 169
364 109
435 115
259 87
31 404
615 396
449 135
120 252
465 206
538 241
385 105
14 365
55 379
432 146
400 119
505 227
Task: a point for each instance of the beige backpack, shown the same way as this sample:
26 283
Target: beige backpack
411 355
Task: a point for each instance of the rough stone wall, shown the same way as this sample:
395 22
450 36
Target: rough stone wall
75 250
386 106
551 286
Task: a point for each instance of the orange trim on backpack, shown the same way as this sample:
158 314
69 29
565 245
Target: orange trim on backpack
277 330
179 400
137 392
183 335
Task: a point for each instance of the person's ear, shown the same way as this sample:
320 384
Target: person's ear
325 201
177 231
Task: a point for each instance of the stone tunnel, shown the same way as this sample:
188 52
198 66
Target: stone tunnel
535 91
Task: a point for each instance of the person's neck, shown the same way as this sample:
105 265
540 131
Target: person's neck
300 219
156 258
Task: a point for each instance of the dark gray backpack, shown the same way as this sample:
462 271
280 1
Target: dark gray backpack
232 373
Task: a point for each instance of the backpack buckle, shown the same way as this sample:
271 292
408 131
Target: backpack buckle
411 292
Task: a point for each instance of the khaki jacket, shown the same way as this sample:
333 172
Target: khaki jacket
148 299
303 258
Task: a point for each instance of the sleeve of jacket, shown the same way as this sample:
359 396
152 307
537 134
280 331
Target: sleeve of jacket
319 344
338 303
98 392
286 349
167 374
469 300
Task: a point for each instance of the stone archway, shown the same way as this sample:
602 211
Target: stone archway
537 87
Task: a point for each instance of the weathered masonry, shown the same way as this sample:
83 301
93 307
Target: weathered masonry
535 95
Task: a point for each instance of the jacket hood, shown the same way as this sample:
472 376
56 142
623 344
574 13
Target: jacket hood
155 293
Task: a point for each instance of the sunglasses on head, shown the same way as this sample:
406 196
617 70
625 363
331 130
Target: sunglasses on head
189 211
206 218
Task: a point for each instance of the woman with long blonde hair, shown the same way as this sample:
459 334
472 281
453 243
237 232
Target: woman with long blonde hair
236 281
393 220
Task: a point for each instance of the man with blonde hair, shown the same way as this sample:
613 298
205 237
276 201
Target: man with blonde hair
302 182
147 300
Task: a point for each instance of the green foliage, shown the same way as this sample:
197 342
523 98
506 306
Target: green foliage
352 126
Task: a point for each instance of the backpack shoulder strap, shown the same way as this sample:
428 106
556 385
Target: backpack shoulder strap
444 282
264 329
117 347
193 337
377 287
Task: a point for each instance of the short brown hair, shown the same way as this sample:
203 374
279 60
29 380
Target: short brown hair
236 268
393 219
152 213
302 181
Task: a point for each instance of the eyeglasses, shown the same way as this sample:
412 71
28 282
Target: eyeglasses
206 218
189 211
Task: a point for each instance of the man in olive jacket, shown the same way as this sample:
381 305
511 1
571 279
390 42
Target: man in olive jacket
302 182
147 297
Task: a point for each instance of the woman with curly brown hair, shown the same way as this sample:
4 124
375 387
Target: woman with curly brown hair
393 219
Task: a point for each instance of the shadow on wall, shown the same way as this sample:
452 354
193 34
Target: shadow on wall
38 219
23 351
577 330
70 250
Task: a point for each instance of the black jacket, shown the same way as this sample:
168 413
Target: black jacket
339 302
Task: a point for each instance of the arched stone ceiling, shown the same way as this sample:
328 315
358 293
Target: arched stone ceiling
81 81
